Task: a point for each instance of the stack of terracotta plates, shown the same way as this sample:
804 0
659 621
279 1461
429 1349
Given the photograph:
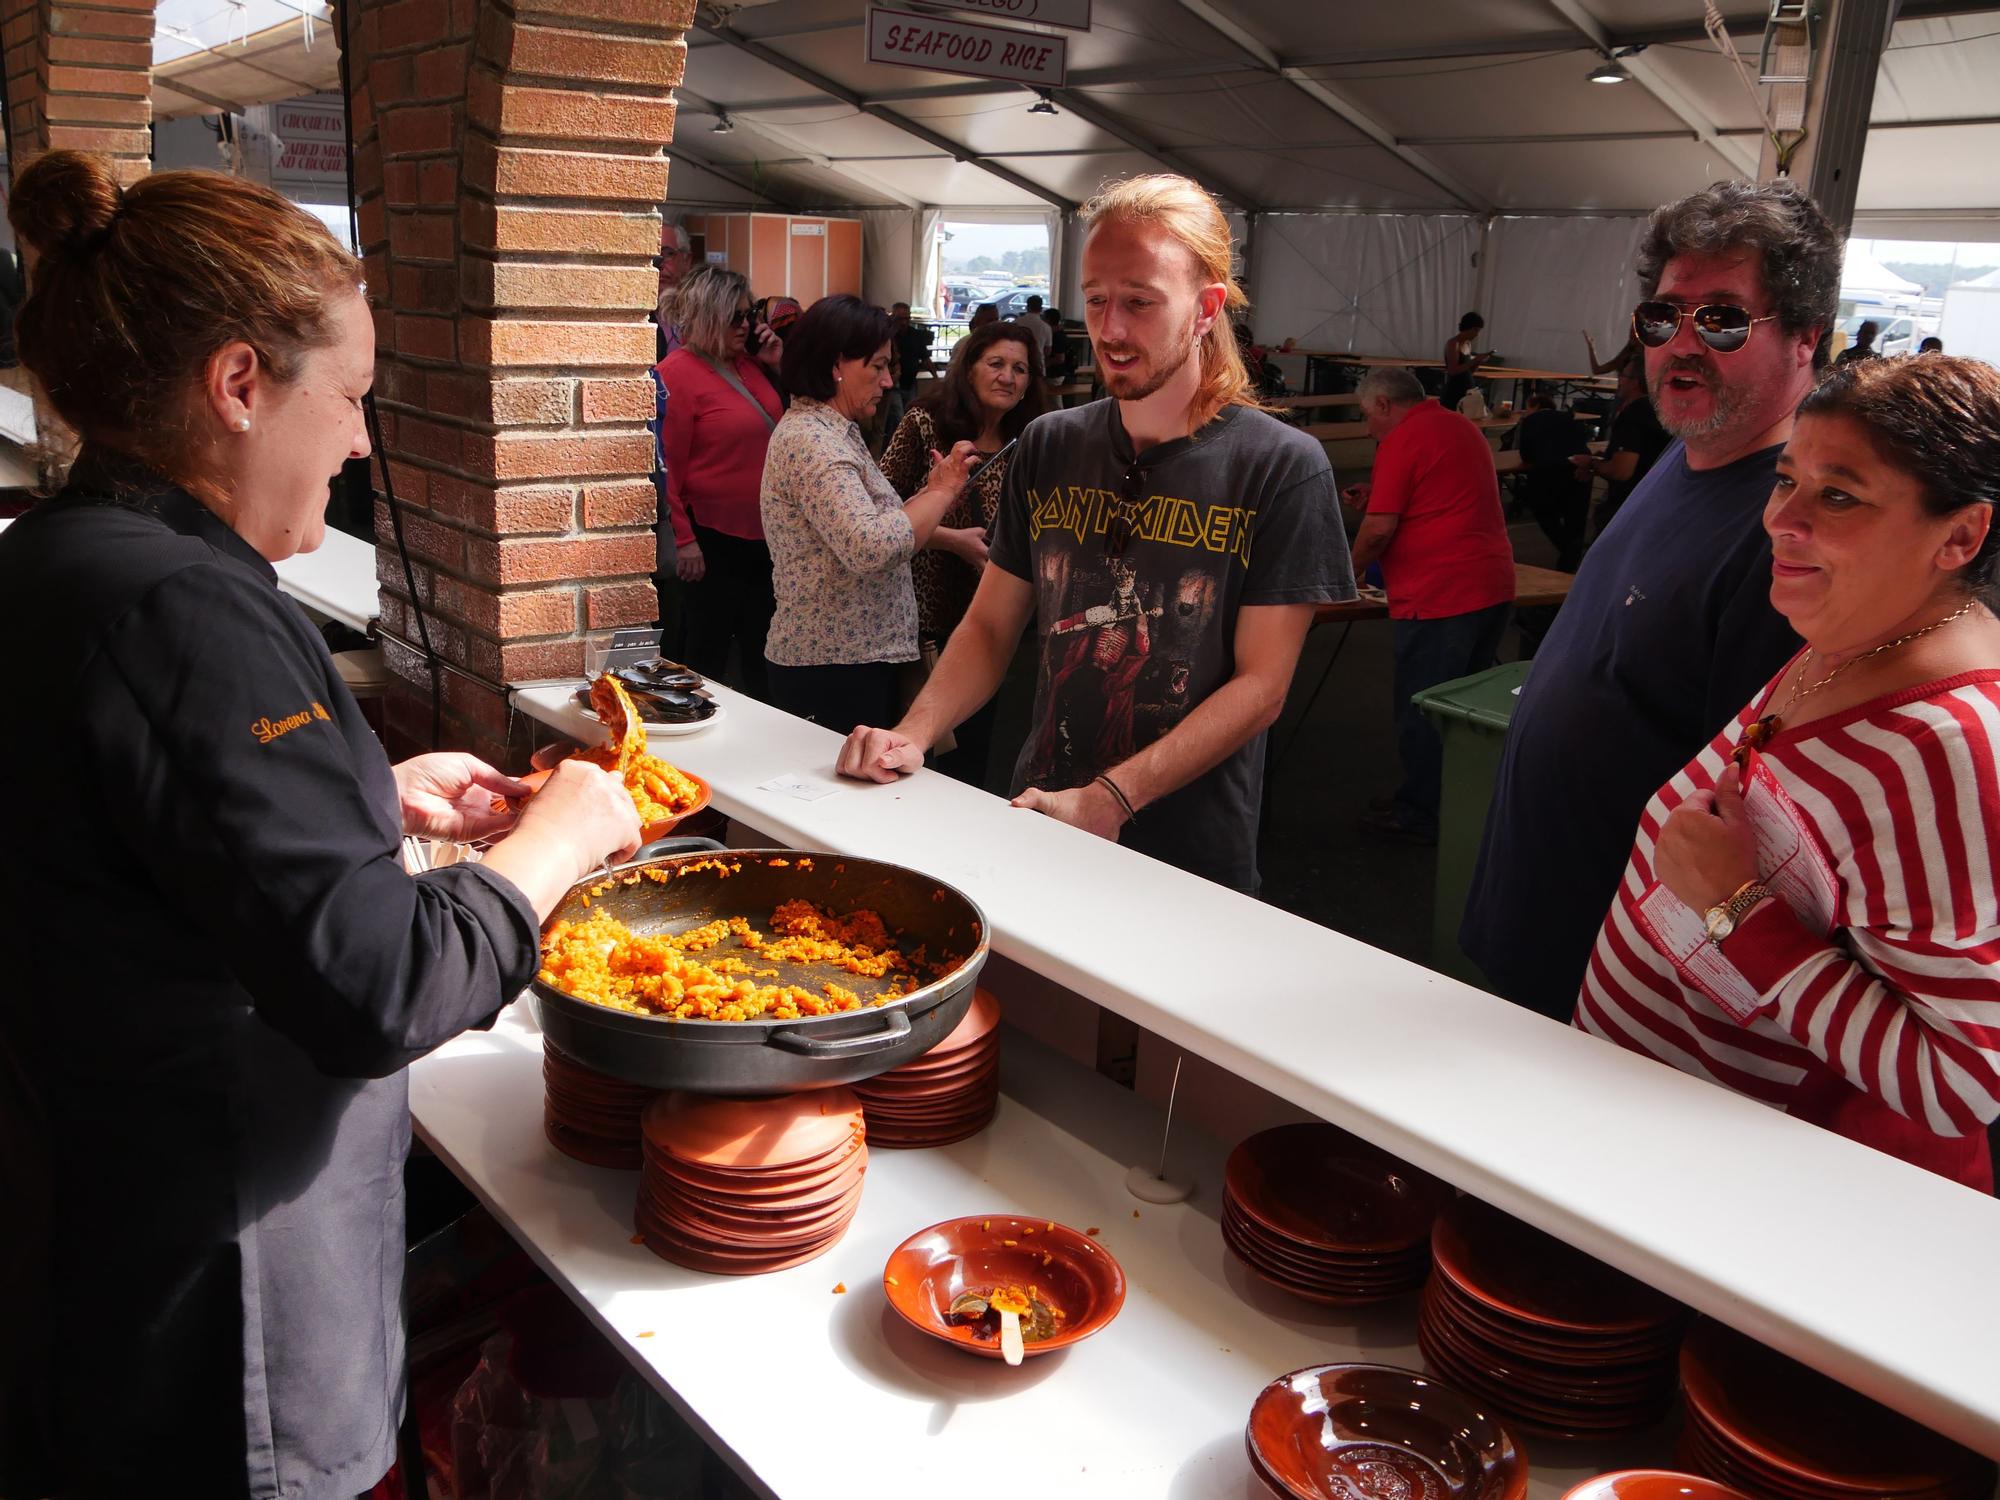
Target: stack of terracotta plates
1560 1344
949 1093
1777 1430
1327 1216
741 1186
590 1115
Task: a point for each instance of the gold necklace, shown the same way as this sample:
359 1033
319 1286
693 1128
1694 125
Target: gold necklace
1760 733
1799 695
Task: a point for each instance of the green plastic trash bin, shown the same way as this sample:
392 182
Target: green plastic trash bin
1472 715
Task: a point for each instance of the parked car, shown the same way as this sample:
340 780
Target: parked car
1013 303
1896 335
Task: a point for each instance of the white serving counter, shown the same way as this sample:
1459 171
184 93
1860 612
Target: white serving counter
1856 1263
336 578
815 1395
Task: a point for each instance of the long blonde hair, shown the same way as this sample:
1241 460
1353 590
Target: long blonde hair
1185 211
703 305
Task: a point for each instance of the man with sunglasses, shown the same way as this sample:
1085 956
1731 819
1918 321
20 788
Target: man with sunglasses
1169 543
1669 628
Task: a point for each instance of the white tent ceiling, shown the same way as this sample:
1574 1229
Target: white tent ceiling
1366 105
1382 105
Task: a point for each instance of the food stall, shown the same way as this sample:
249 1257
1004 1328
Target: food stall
810 1384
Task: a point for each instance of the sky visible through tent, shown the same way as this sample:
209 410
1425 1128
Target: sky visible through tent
995 240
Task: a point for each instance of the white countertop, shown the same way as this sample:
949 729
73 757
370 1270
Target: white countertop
815 1395
337 578
1858 1264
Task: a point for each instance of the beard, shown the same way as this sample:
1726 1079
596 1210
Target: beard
1158 367
1725 402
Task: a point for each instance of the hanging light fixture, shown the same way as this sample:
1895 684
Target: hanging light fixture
1043 104
1609 70
723 124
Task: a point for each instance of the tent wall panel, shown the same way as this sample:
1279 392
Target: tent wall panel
843 258
1369 283
1551 278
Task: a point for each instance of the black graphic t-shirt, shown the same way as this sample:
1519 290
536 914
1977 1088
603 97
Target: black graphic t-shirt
1242 513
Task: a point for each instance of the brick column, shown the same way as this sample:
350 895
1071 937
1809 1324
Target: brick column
80 76
510 177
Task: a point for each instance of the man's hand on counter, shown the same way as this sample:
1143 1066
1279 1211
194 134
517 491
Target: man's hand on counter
879 754
1091 808
449 795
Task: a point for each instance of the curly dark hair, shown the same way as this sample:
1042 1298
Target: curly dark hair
1936 417
832 329
1801 253
954 408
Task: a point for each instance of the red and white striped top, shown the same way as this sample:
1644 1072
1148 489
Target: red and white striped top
1888 1030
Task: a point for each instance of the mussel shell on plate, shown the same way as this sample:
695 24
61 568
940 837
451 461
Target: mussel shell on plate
663 705
651 676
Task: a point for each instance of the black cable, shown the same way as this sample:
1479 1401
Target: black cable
374 416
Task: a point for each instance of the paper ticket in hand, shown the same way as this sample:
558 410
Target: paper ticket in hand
1795 867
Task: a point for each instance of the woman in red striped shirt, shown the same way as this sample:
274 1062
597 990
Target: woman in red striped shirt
1811 913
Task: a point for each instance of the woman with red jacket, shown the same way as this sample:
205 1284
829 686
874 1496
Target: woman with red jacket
721 404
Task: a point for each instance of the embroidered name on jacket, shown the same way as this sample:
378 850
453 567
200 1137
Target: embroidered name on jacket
268 729
1083 512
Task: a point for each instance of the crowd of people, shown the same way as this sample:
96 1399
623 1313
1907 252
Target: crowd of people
1779 639
1742 823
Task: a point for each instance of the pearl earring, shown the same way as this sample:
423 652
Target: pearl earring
838 377
242 424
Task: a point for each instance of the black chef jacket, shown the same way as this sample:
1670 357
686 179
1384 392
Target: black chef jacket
216 972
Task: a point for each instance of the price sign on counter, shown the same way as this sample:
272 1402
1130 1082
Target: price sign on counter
805 788
939 46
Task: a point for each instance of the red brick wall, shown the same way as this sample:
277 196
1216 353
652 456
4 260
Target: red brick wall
510 183
80 76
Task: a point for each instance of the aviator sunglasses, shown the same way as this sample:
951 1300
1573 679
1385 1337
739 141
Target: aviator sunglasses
1724 328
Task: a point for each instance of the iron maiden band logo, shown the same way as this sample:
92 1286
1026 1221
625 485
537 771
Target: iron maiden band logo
1083 513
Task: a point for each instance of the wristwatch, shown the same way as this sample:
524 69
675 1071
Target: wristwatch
1721 918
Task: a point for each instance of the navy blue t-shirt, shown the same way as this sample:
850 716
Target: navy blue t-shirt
1666 634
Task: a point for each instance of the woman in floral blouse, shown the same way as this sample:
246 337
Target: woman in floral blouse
841 538
991 392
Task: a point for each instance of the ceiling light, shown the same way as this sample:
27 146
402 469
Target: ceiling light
723 124
1043 105
1610 70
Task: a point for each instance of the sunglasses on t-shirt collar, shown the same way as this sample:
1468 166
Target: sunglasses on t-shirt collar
1722 326
1124 517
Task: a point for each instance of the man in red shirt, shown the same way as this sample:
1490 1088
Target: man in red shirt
1434 524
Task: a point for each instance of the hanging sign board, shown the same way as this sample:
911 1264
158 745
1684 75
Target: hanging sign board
311 144
1073 14
939 46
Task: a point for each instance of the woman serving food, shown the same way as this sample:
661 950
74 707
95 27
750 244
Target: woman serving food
219 966
1811 913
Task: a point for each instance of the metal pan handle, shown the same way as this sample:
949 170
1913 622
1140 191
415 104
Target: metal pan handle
684 843
895 1027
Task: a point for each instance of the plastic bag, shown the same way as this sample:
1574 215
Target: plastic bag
510 1444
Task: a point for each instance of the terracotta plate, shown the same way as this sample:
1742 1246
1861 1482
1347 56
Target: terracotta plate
1318 1184
781 1131
934 1265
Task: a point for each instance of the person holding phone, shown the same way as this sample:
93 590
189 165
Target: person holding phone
722 403
992 390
